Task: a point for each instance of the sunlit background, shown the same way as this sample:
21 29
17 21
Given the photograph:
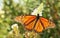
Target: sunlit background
9 9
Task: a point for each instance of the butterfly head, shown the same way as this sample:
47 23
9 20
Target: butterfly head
37 16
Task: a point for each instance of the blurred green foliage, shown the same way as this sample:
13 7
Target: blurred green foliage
12 9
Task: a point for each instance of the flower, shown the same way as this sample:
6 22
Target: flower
15 29
14 26
38 10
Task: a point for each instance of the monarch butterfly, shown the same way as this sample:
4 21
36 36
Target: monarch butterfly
37 23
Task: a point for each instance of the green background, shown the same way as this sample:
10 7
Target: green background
22 7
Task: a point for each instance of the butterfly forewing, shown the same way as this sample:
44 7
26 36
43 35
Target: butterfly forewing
29 19
25 19
47 23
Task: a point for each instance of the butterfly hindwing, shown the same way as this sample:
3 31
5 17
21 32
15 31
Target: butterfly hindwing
38 27
30 26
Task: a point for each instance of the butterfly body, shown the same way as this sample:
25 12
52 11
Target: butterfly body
32 22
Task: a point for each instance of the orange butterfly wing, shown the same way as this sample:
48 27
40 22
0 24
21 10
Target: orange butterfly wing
28 21
47 23
25 19
30 26
42 24
38 27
